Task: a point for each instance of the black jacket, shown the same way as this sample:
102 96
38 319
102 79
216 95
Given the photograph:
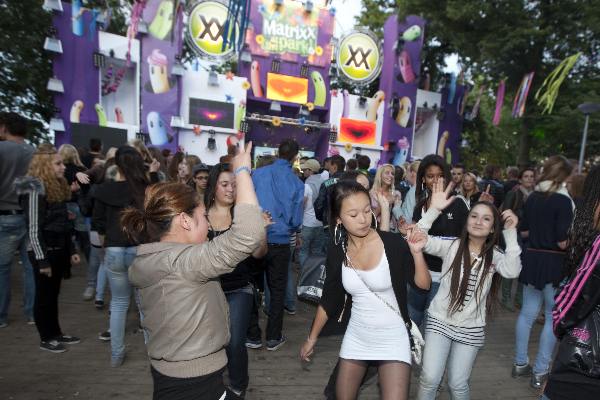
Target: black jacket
338 303
110 199
450 223
321 203
48 223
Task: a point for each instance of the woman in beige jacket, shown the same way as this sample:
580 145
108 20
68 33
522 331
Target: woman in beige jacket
184 311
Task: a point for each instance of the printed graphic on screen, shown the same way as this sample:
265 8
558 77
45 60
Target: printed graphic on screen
211 113
357 131
287 88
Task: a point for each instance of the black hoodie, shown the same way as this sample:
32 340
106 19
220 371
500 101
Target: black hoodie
110 198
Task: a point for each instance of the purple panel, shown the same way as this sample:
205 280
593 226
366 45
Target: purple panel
290 64
160 91
452 122
392 78
75 67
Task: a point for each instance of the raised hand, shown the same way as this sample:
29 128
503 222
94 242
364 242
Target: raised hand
82 178
243 158
510 219
416 239
440 198
486 196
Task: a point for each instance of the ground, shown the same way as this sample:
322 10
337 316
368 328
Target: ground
84 372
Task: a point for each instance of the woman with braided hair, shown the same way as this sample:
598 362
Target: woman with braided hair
565 381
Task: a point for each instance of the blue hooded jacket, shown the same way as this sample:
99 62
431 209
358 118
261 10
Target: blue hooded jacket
281 193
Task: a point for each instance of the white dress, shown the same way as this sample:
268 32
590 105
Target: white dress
375 332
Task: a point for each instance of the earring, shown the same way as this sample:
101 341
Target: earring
337 235
374 218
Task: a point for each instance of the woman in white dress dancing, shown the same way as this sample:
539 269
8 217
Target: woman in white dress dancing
369 270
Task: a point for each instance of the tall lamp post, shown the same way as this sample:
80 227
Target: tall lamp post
586 109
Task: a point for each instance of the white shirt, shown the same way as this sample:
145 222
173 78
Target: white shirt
310 219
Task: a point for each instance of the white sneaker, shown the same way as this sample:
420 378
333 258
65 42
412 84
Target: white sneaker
88 293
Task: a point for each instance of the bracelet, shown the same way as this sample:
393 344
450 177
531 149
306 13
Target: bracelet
240 169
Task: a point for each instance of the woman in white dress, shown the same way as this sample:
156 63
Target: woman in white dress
369 270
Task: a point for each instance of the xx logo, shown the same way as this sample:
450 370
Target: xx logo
353 57
208 28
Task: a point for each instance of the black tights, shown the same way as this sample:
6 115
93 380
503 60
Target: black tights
394 379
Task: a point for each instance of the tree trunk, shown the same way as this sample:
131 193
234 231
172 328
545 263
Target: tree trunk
524 145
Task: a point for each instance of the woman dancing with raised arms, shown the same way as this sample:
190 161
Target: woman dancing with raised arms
471 275
370 270
184 310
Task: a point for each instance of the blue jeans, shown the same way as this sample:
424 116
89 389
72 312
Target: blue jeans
96 258
440 351
532 302
419 301
240 306
117 261
313 243
13 237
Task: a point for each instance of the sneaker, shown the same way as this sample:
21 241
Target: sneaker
521 370
53 346
66 339
116 362
88 293
290 311
3 324
104 336
239 393
99 304
254 344
538 380
273 345
30 321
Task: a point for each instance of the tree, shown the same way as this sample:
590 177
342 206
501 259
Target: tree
507 39
26 67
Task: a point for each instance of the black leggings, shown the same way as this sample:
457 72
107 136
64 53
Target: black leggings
207 387
47 290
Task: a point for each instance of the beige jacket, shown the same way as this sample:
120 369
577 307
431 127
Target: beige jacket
184 309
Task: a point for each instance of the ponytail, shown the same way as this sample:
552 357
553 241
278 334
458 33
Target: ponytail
162 202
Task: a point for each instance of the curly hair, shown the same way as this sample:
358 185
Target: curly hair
57 189
585 226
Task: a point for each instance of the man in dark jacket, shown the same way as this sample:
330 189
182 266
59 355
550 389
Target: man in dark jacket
491 178
321 204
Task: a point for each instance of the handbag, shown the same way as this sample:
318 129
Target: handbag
579 349
312 279
414 334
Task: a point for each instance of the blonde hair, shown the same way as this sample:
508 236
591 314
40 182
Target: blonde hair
462 184
57 189
414 166
69 154
377 184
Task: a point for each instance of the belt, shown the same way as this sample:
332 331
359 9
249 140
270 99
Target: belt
547 251
278 244
11 212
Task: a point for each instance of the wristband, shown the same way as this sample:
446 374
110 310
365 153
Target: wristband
240 169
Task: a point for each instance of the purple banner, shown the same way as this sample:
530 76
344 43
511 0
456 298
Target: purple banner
400 80
160 91
451 123
287 40
75 68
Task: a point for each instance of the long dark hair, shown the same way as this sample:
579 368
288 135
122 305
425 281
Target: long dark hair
131 166
421 191
341 191
211 186
585 227
463 261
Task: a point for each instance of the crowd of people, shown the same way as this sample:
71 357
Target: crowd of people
417 257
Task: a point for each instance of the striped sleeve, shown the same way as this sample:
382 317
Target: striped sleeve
35 216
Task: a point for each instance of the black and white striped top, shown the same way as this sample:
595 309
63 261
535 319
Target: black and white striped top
473 336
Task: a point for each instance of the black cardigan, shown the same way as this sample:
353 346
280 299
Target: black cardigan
337 302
